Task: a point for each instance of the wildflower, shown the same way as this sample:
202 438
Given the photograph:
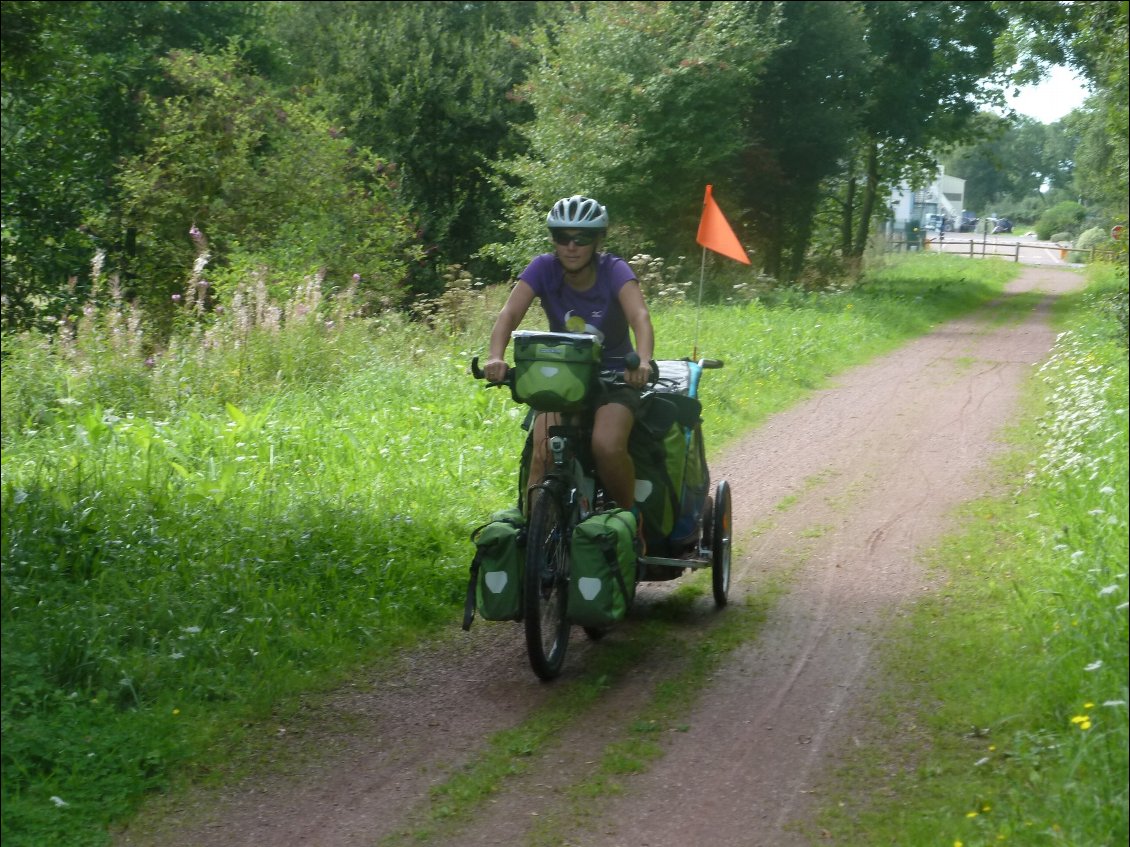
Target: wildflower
176 298
176 711
972 814
196 234
1082 721
1094 666
59 802
356 278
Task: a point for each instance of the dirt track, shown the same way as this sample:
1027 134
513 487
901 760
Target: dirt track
869 468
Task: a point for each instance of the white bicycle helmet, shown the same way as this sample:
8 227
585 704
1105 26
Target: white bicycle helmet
577 212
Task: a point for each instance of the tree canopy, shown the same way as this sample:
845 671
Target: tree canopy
391 140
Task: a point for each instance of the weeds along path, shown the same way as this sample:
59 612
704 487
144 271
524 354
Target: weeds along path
834 499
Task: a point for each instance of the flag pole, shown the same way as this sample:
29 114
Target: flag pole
698 308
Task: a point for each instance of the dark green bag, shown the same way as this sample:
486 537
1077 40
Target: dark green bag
658 450
602 575
495 587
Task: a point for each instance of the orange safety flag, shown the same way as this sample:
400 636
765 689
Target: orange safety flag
714 232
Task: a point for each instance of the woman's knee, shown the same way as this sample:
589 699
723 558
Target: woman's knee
611 432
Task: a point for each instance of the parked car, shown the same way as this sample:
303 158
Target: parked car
1001 225
967 222
936 223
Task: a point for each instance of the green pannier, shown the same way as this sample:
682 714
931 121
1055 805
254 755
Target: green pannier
495 587
555 371
602 573
659 451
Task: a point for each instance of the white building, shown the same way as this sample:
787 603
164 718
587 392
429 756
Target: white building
913 208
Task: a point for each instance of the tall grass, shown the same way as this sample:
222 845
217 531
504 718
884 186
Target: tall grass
195 534
1007 717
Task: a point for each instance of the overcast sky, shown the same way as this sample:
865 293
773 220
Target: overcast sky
1053 98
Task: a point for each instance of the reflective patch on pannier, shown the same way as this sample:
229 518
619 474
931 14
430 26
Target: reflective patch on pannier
555 371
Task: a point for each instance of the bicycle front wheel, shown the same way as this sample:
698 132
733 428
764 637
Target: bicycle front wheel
546 583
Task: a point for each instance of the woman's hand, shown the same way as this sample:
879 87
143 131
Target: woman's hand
638 377
495 370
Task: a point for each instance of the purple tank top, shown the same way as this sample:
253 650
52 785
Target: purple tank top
596 311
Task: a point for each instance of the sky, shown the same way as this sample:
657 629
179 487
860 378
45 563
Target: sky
1053 98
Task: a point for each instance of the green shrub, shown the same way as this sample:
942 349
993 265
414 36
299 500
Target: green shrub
1093 237
1065 216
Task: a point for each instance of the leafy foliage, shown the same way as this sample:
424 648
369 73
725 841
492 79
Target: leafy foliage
802 115
1065 216
269 182
427 85
642 124
71 75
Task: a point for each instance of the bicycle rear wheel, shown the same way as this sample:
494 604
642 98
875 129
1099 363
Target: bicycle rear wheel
546 583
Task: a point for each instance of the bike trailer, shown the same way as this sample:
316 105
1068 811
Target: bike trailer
602 570
555 371
495 586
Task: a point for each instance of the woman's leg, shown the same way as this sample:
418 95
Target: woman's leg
539 459
612 427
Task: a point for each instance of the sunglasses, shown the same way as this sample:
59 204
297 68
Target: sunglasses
582 239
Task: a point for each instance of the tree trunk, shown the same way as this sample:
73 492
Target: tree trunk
847 215
867 205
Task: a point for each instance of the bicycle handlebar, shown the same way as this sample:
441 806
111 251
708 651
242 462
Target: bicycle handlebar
631 362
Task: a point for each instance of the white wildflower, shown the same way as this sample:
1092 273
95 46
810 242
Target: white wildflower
1094 666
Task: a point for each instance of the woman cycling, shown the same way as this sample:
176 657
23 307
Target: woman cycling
582 289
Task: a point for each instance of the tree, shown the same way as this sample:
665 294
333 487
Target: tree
643 122
922 91
72 72
802 123
1090 37
428 86
1011 161
270 183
